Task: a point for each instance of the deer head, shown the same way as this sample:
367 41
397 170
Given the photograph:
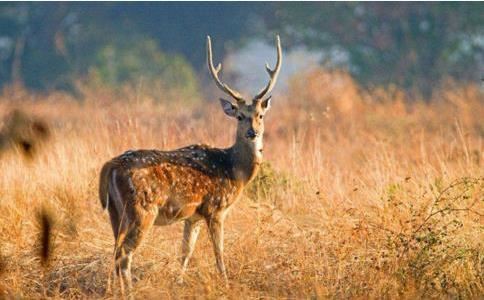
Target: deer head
250 116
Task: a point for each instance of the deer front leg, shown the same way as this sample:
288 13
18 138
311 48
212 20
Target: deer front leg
190 235
216 229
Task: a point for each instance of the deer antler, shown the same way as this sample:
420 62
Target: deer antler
214 72
272 73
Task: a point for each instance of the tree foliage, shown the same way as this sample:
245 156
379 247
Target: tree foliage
414 45
410 44
49 46
117 64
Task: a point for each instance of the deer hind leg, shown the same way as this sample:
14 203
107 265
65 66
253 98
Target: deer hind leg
216 230
119 225
128 242
190 236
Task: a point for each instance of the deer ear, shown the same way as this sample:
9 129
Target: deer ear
229 108
266 104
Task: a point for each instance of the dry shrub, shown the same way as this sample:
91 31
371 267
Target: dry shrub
379 196
428 246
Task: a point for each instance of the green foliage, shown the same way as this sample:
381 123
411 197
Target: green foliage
118 64
267 181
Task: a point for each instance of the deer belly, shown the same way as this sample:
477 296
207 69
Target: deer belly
172 211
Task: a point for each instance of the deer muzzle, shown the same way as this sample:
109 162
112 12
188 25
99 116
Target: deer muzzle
251 134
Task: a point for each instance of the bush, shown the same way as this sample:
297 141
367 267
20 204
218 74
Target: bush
434 236
267 182
143 62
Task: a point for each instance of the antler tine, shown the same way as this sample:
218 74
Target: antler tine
214 72
273 73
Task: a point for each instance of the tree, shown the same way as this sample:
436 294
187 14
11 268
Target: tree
410 44
127 63
60 42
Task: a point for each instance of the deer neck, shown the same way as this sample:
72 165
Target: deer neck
246 157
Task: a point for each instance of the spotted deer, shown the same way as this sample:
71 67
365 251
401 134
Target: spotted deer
143 188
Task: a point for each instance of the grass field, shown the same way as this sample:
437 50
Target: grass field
364 193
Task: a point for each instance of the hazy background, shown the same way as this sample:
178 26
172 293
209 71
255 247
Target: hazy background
59 46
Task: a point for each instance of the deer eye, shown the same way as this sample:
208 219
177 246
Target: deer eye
260 116
240 117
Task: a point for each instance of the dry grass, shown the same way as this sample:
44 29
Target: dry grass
364 194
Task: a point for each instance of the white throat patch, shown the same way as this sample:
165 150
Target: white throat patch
258 145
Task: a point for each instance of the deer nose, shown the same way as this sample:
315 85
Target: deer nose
251 133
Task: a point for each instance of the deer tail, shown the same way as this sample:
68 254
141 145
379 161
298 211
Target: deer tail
104 182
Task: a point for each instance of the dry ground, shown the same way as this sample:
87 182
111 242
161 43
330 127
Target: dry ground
364 194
